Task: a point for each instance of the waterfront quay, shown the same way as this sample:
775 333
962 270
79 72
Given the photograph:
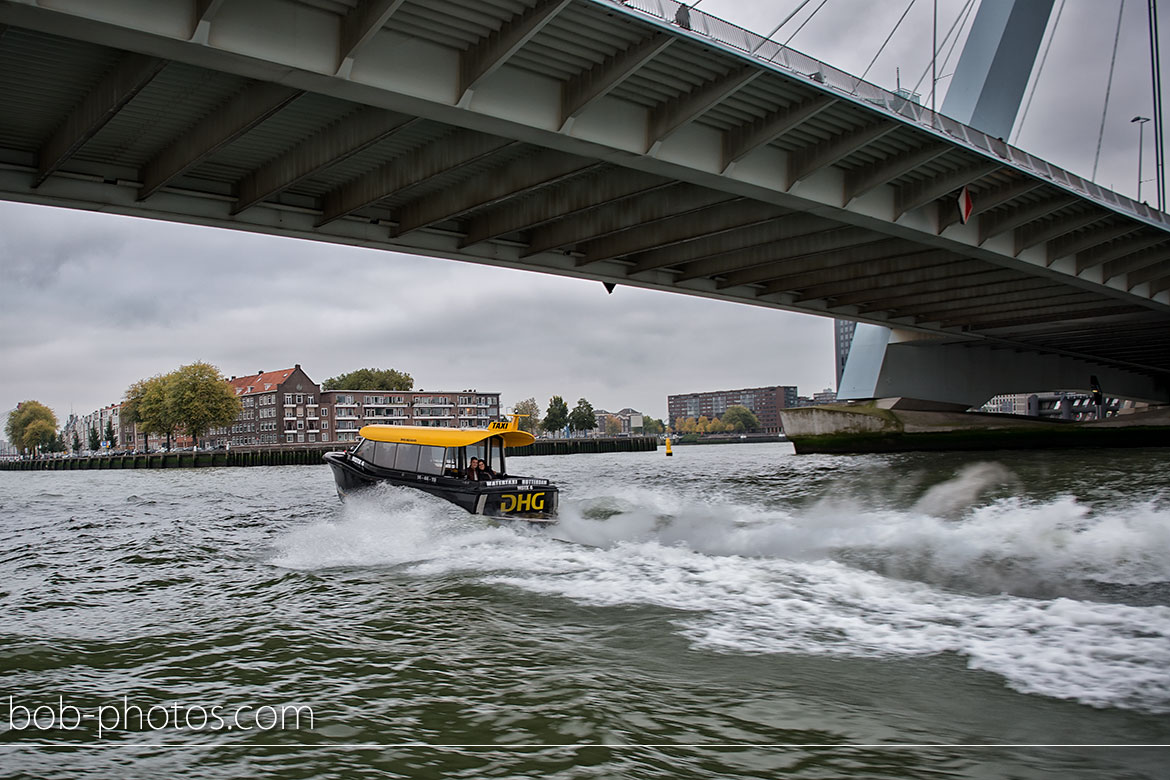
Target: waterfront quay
306 455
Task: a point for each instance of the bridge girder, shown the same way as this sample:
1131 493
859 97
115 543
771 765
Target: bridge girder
640 153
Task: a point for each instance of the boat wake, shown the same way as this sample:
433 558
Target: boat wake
1055 597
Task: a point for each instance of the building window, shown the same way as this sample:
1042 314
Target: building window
324 411
324 425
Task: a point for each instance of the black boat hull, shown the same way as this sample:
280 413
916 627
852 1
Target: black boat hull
534 500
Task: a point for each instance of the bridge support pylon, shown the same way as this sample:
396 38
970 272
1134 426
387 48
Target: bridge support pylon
885 363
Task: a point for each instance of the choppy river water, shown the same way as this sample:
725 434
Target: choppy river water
733 611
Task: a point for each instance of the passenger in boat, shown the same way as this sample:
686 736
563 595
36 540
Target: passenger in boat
473 470
485 472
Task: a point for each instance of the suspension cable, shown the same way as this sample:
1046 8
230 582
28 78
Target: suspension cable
897 24
1039 71
1108 88
964 10
1156 79
802 24
785 21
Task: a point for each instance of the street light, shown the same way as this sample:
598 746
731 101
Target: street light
1141 120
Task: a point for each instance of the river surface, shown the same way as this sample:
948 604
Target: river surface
730 612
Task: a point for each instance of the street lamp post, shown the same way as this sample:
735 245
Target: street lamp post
1141 120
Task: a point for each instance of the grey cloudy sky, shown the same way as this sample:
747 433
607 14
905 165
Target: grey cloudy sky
92 302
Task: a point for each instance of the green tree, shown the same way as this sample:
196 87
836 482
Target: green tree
653 427
557 416
31 424
613 426
739 418
582 417
199 399
95 441
528 406
109 433
370 379
76 443
145 404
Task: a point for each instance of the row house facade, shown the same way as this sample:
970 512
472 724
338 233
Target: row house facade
287 407
276 407
352 409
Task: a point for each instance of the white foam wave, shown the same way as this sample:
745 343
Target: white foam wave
759 580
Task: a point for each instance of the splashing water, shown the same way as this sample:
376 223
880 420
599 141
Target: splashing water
1001 580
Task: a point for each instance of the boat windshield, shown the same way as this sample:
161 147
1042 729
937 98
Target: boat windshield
490 450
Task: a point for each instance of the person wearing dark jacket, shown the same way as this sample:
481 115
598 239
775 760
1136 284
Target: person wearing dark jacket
473 472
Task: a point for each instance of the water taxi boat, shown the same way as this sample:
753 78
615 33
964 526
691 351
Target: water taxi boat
435 460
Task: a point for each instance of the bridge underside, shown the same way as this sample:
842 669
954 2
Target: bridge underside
583 138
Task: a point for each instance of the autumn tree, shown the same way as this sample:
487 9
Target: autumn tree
613 425
30 425
582 417
370 379
528 407
199 399
557 416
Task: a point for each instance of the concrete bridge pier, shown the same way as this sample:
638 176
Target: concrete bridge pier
885 363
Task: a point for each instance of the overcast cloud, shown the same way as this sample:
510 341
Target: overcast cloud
92 302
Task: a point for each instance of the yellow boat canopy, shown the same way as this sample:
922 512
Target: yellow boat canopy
449 437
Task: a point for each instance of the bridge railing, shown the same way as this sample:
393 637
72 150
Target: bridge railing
792 61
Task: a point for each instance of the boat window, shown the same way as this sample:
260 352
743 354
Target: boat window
451 462
406 458
384 454
473 451
364 450
430 460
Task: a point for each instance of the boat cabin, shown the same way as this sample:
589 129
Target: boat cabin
437 451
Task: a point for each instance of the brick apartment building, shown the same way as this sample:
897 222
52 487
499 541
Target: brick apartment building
764 402
287 407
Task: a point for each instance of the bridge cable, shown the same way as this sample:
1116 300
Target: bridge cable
959 22
802 24
1039 71
786 20
1108 88
897 24
1156 79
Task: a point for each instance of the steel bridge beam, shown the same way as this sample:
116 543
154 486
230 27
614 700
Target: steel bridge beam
805 162
489 55
740 141
542 169
680 199
563 202
668 117
359 27
234 119
584 89
437 157
337 142
117 88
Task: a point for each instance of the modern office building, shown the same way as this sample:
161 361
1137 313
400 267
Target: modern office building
842 341
764 402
